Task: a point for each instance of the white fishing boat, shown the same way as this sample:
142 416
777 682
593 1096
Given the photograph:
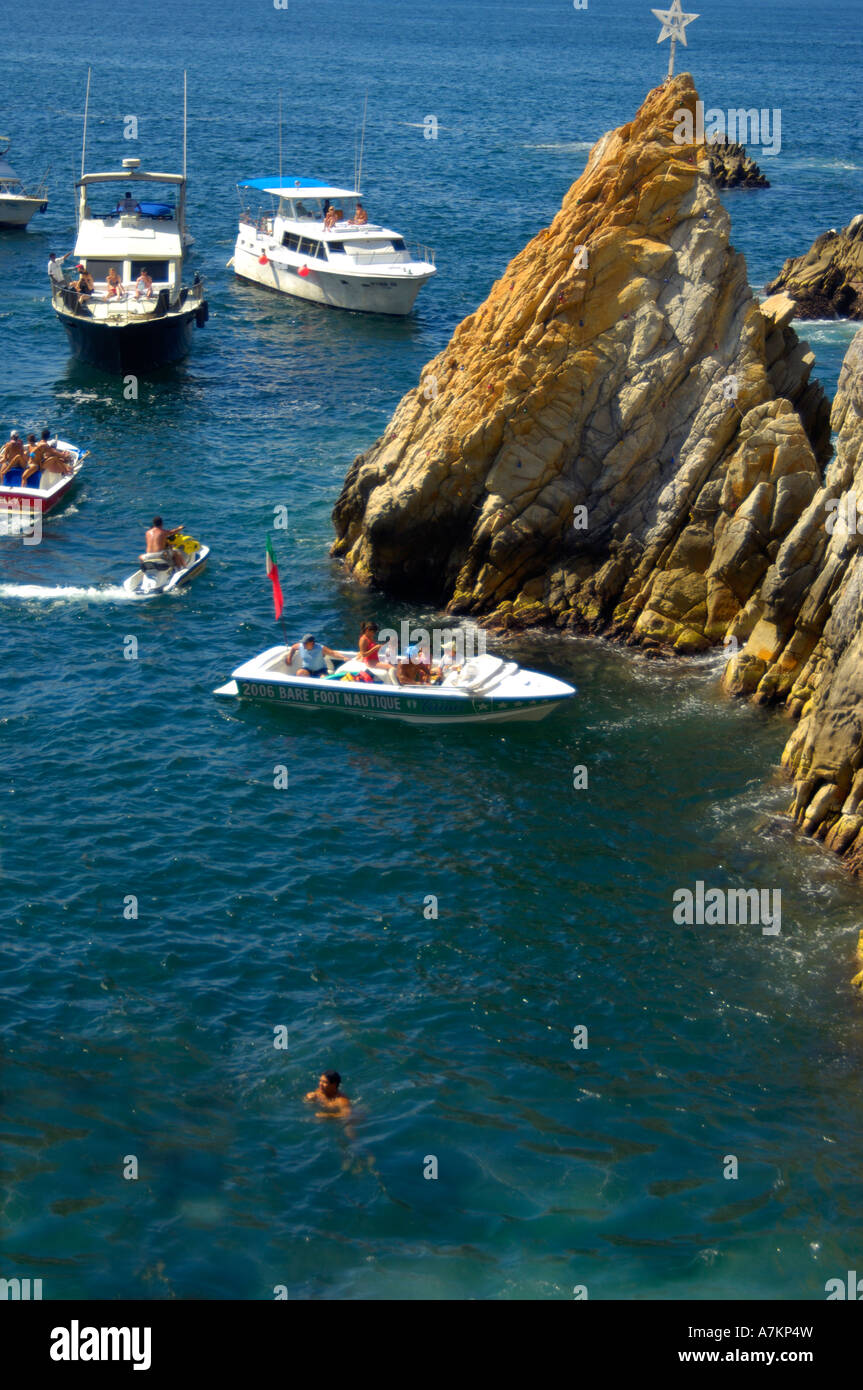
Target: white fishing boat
315 244
17 205
157 574
485 690
45 488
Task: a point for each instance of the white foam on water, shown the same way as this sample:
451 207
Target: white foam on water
574 145
70 593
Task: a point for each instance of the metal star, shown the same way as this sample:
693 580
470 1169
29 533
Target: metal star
674 22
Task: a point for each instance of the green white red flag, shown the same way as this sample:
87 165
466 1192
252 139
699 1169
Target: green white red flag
273 572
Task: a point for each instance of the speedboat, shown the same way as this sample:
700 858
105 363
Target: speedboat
347 264
43 490
135 330
17 206
485 690
158 574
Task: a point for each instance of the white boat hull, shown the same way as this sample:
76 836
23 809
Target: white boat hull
526 695
363 293
17 212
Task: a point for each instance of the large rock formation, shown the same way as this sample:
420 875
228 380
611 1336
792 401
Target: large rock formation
620 438
827 283
731 167
804 636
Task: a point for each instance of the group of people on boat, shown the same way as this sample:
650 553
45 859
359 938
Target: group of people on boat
85 285
412 668
34 456
332 216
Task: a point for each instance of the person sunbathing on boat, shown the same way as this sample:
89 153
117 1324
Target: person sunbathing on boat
360 217
158 542
44 456
412 670
113 284
85 284
312 656
12 454
331 219
144 285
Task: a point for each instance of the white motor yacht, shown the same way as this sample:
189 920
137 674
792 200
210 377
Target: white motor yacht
131 327
17 205
317 243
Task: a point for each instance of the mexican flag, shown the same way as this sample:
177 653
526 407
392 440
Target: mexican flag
273 572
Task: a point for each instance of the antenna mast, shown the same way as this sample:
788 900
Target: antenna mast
362 144
280 137
184 123
86 109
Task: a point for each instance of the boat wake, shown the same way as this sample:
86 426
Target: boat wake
69 593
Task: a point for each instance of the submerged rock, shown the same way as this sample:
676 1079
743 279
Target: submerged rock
731 167
827 283
620 437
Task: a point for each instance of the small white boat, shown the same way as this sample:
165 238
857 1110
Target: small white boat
344 263
45 489
485 690
17 205
158 575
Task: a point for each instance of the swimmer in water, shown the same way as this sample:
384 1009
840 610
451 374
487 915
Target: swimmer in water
328 1096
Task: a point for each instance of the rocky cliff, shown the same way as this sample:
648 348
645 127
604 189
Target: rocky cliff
827 282
621 439
804 636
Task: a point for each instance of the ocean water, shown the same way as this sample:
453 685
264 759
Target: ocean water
152 1037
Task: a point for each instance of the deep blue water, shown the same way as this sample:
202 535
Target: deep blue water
258 908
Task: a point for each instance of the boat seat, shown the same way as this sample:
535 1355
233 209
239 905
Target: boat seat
14 476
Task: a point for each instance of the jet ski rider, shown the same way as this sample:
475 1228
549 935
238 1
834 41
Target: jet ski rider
158 542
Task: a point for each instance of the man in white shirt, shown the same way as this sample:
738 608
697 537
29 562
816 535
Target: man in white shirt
55 270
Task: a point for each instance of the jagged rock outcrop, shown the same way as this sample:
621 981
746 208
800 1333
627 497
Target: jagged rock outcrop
804 636
827 283
731 167
620 438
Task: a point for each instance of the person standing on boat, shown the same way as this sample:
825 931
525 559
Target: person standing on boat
12 454
55 270
313 656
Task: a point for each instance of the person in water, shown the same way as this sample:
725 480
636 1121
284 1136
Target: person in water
328 1096
312 656
12 454
158 542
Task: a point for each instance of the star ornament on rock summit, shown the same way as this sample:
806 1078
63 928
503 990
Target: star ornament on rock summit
674 23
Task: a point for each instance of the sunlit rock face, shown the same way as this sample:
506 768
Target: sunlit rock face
805 642
620 438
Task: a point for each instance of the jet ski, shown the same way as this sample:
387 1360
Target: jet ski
159 575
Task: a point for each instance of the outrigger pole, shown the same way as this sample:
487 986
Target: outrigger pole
86 110
280 137
184 124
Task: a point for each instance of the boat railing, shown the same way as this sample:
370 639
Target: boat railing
126 306
412 252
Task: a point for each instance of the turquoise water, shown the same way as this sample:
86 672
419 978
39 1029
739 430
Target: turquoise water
304 908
